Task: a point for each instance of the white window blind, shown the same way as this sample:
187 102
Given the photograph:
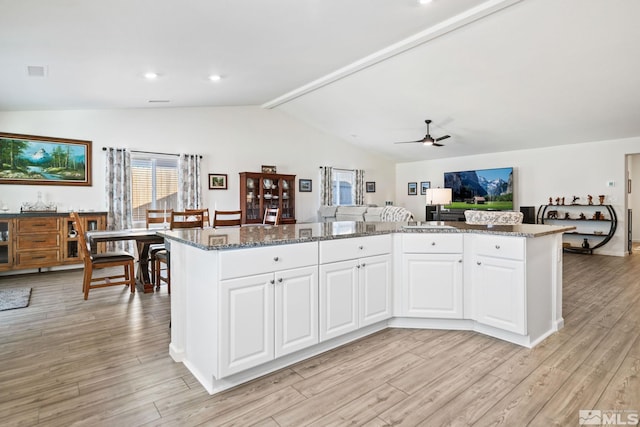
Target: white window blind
154 183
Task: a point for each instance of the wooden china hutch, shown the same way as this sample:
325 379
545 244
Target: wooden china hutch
259 191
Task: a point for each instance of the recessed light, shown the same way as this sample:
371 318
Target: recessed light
215 77
150 75
424 1
36 71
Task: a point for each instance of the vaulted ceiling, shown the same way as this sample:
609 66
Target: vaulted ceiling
496 75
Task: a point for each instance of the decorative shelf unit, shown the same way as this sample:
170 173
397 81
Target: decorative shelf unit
596 228
259 191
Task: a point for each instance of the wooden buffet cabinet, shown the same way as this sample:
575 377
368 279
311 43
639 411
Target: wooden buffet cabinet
259 191
43 239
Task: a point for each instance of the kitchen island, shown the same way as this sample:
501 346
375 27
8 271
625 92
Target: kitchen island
250 300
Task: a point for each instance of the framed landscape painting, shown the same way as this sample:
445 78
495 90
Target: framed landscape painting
42 160
424 185
412 188
217 181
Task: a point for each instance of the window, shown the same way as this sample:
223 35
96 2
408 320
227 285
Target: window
343 187
154 183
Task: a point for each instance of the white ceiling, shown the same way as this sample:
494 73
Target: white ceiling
496 75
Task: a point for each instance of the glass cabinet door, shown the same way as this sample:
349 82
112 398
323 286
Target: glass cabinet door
6 236
71 240
252 202
288 199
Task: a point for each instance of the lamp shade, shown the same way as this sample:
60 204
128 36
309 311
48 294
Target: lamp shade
438 196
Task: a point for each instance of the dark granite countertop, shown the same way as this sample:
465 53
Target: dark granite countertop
261 235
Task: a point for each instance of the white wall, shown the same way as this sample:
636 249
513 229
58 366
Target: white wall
562 171
231 139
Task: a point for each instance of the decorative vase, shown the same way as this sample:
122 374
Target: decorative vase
585 244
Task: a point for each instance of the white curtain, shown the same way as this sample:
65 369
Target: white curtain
118 194
358 196
189 182
326 186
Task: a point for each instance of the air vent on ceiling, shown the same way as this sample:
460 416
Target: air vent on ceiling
36 71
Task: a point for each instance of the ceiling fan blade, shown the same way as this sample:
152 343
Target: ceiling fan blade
443 137
410 142
435 144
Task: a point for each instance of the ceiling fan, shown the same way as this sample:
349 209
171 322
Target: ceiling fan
428 139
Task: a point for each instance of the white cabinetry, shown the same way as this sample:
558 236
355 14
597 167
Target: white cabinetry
355 284
432 275
268 314
498 282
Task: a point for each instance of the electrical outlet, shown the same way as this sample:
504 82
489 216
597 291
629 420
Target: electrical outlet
611 183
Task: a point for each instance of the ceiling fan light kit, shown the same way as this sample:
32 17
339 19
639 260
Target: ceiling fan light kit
428 139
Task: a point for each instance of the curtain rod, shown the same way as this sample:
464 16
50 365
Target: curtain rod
146 152
340 169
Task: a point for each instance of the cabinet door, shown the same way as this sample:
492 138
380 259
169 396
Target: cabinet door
6 249
375 289
338 298
498 287
246 323
432 285
296 309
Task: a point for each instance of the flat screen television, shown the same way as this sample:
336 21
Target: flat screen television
490 189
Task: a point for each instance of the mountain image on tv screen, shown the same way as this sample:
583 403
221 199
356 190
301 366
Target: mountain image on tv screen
481 189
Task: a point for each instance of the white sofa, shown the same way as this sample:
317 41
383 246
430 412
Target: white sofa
364 213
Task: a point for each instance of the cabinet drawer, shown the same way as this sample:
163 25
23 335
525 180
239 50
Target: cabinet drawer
500 246
38 258
251 261
37 241
33 225
428 243
351 248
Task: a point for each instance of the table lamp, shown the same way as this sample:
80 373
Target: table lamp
438 197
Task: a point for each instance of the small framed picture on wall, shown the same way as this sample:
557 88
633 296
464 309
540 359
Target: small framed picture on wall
424 185
217 181
371 187
304 185
412 188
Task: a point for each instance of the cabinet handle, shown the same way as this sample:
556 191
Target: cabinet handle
358 266
363 264
361 247
39 241
433 243
276 259
279 279
497 246
272 281
478 262
460 260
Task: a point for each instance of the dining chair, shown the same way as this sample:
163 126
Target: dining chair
179 220
227 218
154 219
205 215
157 216
103 260
271 216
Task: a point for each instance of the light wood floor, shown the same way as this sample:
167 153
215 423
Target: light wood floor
65 361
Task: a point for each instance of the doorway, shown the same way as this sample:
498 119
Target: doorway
633 204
